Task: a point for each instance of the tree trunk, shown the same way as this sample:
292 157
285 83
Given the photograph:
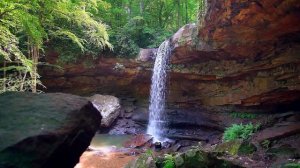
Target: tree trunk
160 20
4 76
178 14
186 12
35 58
23 82
142 7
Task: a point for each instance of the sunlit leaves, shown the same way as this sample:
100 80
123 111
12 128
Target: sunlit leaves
34 22
71 36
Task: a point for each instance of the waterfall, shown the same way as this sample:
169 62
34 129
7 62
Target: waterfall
157 119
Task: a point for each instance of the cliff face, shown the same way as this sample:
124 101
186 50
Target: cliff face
245 53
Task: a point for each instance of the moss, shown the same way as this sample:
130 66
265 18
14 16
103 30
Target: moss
243 115
246 149
236 147
230 147
283 151
292 165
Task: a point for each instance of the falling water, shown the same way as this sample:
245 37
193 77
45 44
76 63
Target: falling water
158 92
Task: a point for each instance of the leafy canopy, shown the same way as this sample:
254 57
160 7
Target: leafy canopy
27 27
138 24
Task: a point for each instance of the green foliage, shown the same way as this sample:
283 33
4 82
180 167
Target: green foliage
137 34
26 26
240 131
16 83
243 115
292 165
266 144
169 161
138 24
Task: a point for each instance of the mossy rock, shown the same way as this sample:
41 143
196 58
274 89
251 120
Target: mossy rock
179 160
193 158
236 147
196 158
231 147
143 161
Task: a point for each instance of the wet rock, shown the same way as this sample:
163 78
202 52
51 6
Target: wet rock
180 119
138 141
129 109
176 147
45 130
108 106
277 132
128 115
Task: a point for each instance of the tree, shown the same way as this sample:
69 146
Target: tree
161 18
38 21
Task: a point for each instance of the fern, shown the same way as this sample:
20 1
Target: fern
71 36
239 131
40 21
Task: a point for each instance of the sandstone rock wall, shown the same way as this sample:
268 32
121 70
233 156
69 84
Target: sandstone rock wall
246 53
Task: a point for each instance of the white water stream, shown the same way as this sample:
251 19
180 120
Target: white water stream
157 120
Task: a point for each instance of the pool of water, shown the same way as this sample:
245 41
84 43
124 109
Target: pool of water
106 142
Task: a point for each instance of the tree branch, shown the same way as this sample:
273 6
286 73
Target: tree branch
7 11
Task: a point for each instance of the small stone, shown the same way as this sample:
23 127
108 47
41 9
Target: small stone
157 145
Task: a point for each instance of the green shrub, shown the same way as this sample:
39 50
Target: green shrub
239 131
169 161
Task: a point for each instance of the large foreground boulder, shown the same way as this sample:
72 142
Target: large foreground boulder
45 130
108 106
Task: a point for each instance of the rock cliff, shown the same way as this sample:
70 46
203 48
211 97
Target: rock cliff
243 54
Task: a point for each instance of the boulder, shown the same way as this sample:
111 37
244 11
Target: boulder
108 106
147 54
45 130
